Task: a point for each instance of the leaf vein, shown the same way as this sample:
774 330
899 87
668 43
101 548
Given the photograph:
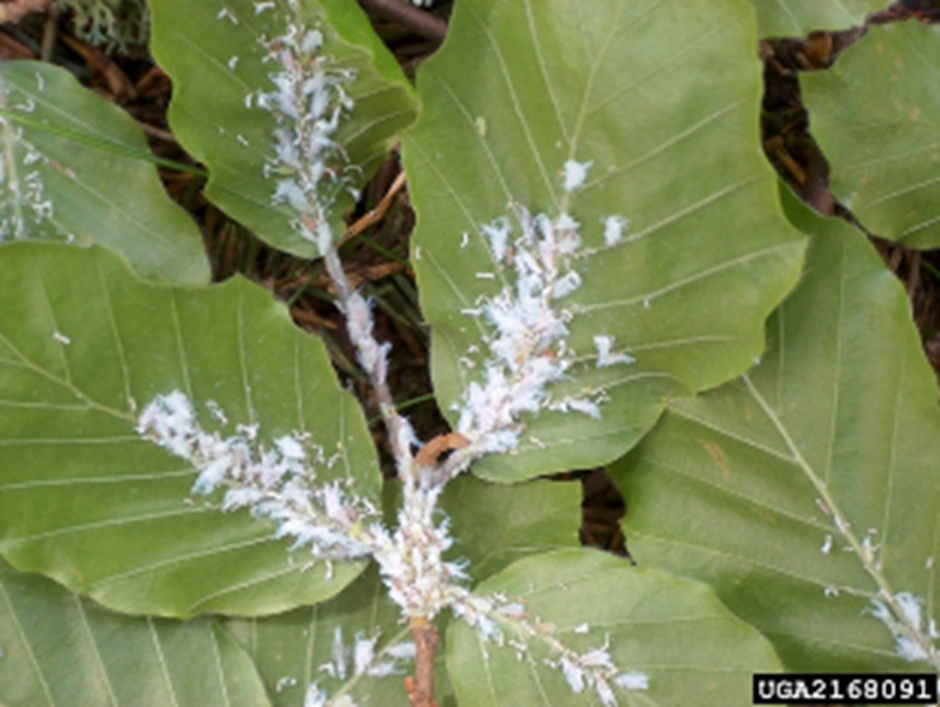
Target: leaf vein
24 640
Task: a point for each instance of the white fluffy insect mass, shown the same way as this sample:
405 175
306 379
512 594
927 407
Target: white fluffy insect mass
411 559
529 348
279 482
508 624
914 635
309 103
575 174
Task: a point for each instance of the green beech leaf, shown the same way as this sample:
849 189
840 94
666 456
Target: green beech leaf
495 525
75 167
875 115
88 501
673 630
520 89
797 18
293 650
218 56
808 489
59 649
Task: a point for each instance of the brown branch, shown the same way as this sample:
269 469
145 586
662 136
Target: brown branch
49 34
420 688
120 86
441 444
376 214
12 49
404 13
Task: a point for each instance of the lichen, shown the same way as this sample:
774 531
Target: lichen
114 25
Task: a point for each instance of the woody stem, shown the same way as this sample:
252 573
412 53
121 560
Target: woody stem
425 637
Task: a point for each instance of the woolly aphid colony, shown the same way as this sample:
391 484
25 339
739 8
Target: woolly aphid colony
280 480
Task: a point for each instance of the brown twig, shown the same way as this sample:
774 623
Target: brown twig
441 444
158 133
418 21
374 215
421 688
305 317
11 49
120 86
49 33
